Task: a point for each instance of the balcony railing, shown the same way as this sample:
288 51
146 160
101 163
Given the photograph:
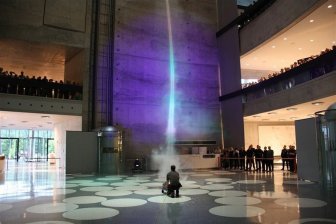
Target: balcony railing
310 70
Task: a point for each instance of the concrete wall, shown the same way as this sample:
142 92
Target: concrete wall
280 16
75 68
277 134
60 129
56 22
323 86
20 103
142 70
229 56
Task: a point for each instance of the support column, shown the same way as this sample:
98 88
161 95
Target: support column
230 77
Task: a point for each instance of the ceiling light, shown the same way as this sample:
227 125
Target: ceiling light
281 119
45 116
291 108
11 124
317 103
285 38
256 116
3 126
265 119
334 42
49 122
24 121
329 6
293 118
300 48
311 21
271 113
273 46
311 115
311 40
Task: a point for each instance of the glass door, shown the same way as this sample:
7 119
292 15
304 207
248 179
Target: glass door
10 148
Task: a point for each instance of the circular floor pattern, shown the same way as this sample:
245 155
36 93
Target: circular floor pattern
91 213
193 191
228 193
121 184
84 200
61 191
51 208
137 180
272 194
161 179
131 188
218 180
109 178
164 199
185 182
238 201
121 176
214 187
124 202
236 211
50 222
153 184
78 181
94 184
300 202
251 181
297 182
83 175
4 207
313 220
70 185
201 175
190 186
151 191
95 189
114 193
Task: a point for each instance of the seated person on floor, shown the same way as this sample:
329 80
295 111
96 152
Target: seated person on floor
173 180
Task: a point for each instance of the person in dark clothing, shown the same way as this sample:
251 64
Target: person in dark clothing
242 154
173 180
284 155
258 157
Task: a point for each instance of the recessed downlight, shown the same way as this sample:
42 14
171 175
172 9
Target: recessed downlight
285 38
24 121
45 116
273 46
329 6
310 115
311 40
293 118
291 108
311 21
255 116
265 119
271 112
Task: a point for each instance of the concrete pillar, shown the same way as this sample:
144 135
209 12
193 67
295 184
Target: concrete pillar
230 78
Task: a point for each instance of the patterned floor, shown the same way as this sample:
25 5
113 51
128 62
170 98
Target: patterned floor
37 193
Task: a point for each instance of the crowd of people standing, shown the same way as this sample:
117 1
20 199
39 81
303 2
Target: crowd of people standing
257 159
12 83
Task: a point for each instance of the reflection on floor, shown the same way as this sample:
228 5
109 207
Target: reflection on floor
36 193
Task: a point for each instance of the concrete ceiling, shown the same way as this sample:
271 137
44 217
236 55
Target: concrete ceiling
35 59
310 36
292 113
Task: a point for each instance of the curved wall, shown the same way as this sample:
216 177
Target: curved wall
281 15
